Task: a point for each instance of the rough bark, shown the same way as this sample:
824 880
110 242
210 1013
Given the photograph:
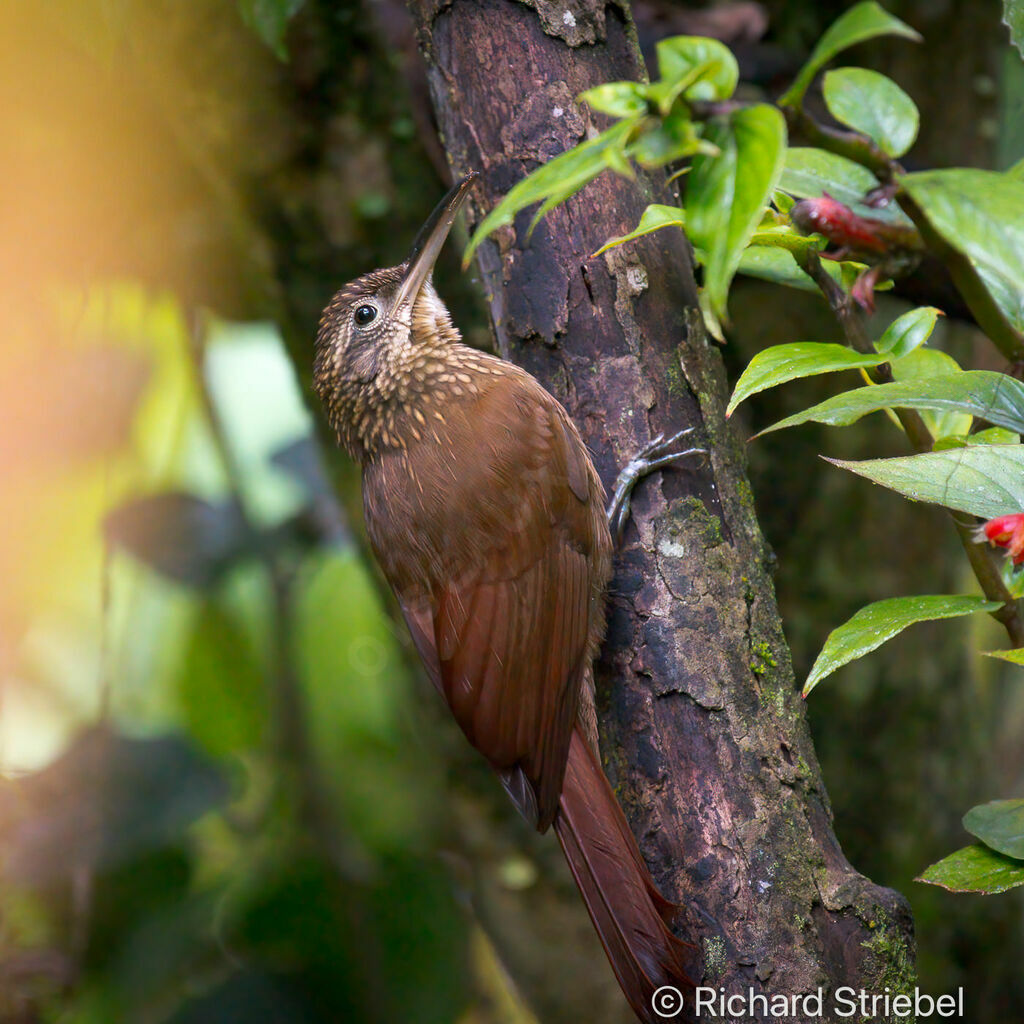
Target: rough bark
704 733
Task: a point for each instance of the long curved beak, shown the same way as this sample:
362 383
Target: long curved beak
431 238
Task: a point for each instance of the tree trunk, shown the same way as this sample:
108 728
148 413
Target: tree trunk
704 734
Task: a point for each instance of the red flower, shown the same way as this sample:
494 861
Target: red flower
1005 532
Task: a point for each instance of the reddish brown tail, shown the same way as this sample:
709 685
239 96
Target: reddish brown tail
627 910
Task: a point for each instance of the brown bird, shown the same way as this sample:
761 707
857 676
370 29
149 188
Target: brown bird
487 517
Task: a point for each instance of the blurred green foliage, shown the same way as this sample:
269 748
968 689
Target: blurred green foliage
188 859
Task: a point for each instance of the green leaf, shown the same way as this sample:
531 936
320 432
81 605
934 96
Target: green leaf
771 263
874 624
987 394
932 364
975 869
784 236
908 331
1015 657
781 363
994 435
618 99
810 172
776 263
983 480
979 213
1010 302
782 201
655 217
553 182
872 104
1016 171
860 23
716 69
269 20
999 824
726 194
665 139
1013 18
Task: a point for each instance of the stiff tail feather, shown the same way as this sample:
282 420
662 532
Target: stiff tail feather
629 913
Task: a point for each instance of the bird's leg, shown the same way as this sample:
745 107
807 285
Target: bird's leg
659 453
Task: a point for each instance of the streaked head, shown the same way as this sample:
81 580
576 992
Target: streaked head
377 317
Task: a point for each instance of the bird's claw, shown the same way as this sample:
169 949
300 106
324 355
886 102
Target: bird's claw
656 455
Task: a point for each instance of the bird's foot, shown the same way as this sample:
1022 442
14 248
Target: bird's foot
658 454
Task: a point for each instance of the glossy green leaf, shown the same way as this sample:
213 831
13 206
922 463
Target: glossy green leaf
784 236
975 869
981 480
870 627
706 66
860 23
979 213
999 824
810 172
930 364
617 99
874 105
1011 302
269 20
655 217
908 331
1013 18
555 181
986 394
782 363
994 435
726 194
1015 656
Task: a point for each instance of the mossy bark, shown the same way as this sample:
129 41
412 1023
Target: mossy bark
704 733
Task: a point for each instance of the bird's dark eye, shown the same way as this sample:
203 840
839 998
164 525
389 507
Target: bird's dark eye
365 315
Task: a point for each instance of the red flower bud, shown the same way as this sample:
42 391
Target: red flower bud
840 225
1005 532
